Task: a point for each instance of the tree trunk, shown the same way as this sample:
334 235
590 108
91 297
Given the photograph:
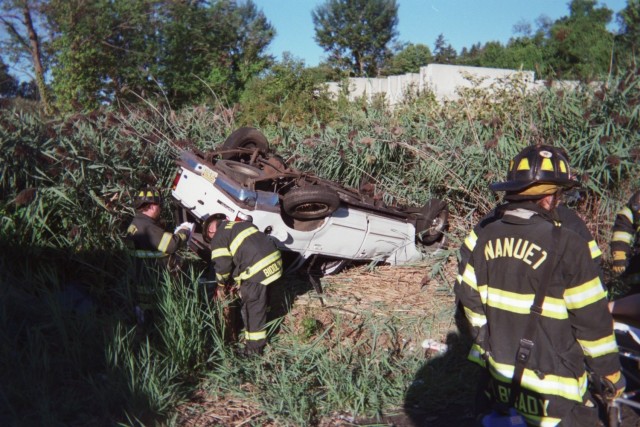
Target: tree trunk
37 59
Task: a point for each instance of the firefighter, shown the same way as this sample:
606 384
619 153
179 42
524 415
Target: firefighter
509 258
568 217
625 243
245 258
151 247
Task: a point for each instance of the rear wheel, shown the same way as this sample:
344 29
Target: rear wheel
245 138
311 202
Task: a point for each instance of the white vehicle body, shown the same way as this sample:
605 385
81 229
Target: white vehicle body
306 216
348 233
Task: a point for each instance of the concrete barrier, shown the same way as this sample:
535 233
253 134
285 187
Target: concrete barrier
444 81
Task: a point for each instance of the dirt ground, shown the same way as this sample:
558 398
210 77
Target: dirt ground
382 291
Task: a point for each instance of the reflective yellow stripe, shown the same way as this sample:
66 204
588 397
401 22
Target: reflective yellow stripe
273 278
541 421
475 355
255 336
260 265
622 236
222 277
595 250
469 277
233 247
148 254
585 294
476 319
626 212
606 345
483 290
619 255
546 165
470 241
553 385
164 242
220 252
521 303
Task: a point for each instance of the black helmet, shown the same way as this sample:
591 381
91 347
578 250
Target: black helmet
208 220
147 196
535 166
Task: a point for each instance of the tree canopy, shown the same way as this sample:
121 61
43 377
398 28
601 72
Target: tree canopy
356 33
8 83
408 59
82 54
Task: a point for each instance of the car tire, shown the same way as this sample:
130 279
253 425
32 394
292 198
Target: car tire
244 174
432 221
247 138
310 202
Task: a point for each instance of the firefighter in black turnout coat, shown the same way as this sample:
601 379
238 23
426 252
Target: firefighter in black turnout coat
152 247
508 260
625 242
246 258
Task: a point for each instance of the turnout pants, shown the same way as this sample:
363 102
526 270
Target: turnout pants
254 315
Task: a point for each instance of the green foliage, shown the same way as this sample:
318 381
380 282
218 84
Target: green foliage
8 83
580 45
114 51
443 52
212 50
629 37
356 34
408 60
288 92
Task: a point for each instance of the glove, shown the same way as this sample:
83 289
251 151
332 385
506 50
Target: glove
221 292
619 269
614 385
186 226
619 262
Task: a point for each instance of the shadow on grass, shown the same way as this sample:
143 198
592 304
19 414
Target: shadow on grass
443 390
58 315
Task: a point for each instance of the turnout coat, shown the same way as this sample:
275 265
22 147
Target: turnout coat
496 288
241 253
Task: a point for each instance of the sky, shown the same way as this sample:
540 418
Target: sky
461 22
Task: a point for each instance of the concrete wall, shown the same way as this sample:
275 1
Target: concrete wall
443 80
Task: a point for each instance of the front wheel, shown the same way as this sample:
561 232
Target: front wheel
311 202
432 221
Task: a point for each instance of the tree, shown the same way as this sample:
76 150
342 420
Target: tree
212 49
629 19
21 18
580 45
28 90
8 83
409 59
113 50
356 33
443 52
105 50
287 92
